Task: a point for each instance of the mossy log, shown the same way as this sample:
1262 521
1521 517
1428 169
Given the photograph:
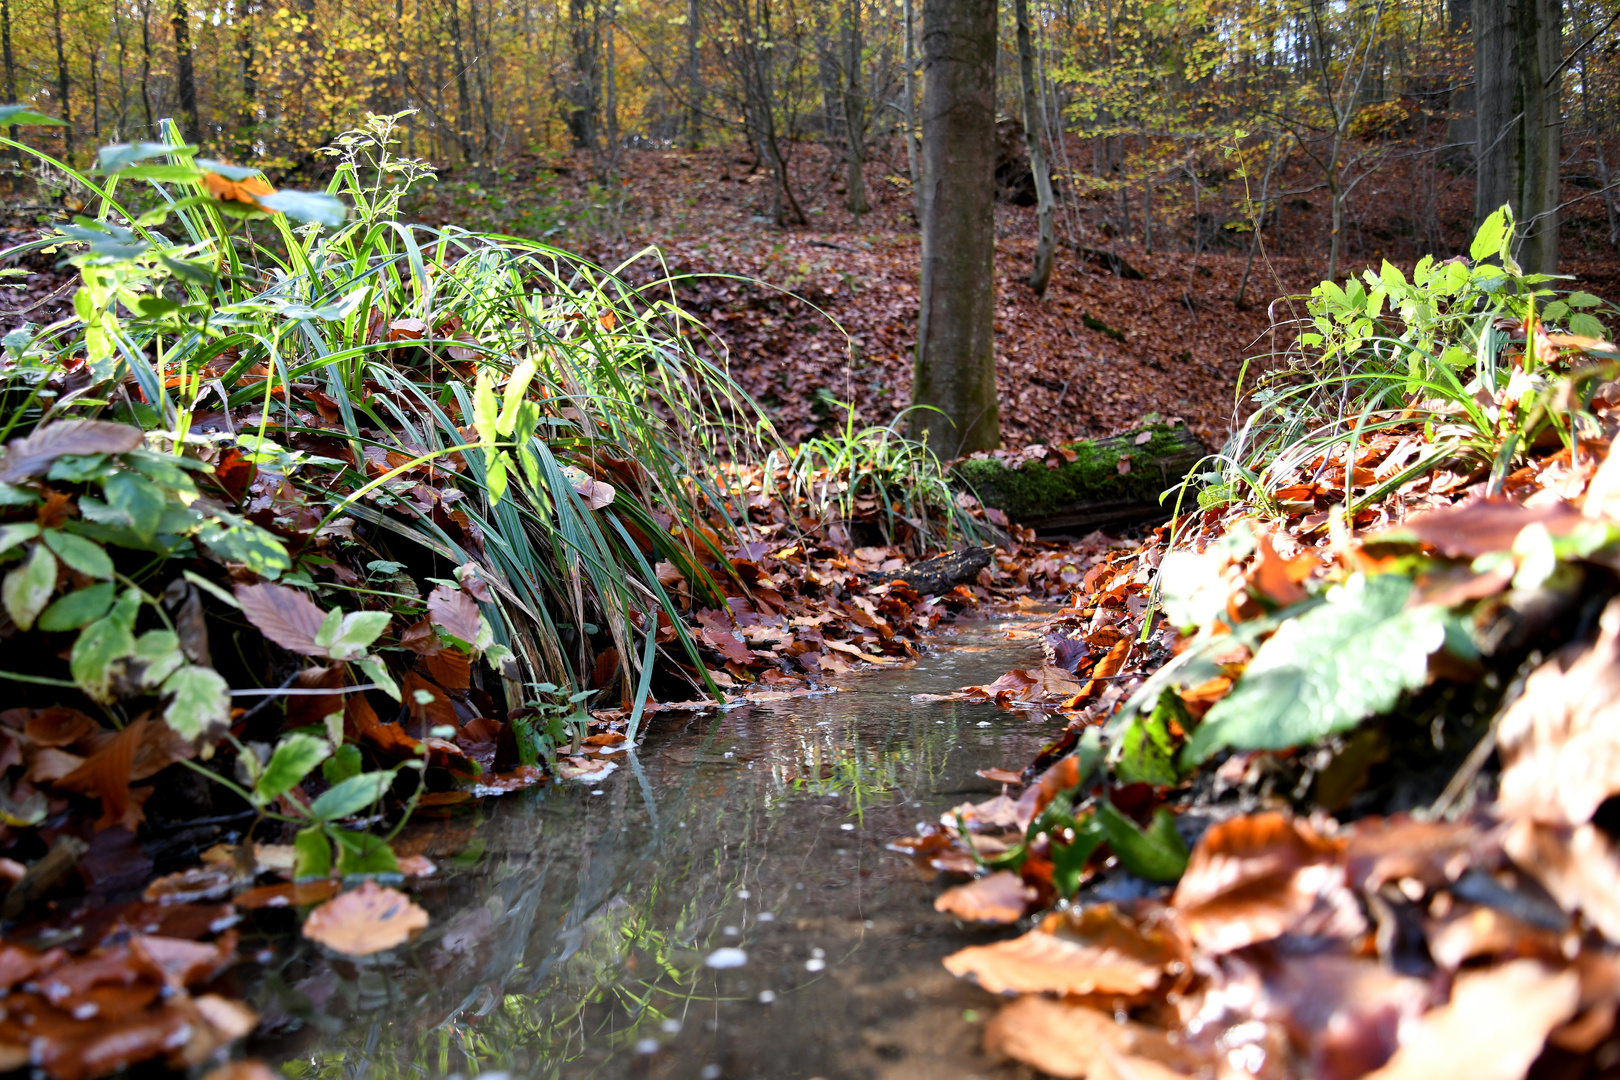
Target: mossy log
1093 491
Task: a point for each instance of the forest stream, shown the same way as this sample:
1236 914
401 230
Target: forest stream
720 906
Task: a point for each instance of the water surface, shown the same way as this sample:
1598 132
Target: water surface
573 926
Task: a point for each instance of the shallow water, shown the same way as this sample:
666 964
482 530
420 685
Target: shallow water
574 926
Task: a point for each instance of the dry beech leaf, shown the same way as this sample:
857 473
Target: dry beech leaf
454 612
365 920
1579 868
1255 878
287 894
1343 1013
34 453
1560 741
1001 897
106 774
1471 529
1435 853
286 616
999 775
59 726
1493 1028
1092 951
1075 1042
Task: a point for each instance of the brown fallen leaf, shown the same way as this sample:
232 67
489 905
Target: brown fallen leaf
1560 741
1493 1028
33 454
1470 529
365 920
1001 897
1255 878
1435 853
245 1069
1000 775
454 612
286 616
287 894
105 775
1080 1043
1092 951
1579 868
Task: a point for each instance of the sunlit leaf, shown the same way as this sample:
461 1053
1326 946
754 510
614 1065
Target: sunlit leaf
202 700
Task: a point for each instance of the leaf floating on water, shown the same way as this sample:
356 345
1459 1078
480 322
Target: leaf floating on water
1001 897
365 920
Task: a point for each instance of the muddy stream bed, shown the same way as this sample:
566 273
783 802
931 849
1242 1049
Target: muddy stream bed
575 928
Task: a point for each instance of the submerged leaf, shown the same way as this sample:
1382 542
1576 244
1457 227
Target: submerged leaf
365 920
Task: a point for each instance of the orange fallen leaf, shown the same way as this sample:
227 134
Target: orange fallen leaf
1001 897
365 920
1094 951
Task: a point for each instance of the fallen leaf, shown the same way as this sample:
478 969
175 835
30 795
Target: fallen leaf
1493 1028
34 453
286 616
1081 1043
1095 950
1470 529
454 612
1001 897
365 920
287 894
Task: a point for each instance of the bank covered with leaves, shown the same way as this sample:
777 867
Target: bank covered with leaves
1334 795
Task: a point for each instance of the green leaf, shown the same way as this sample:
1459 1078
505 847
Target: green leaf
1069 860
229 172
12 495
1587 326
102 644
248 544
27 589
202 700
316 206
1489 240
345 637
351 796
344 763
312 853
1323 672
78 609
1582 300
363 854
1554 312
85 556
295 756
1159 854
22 114
12 535
374 666
140 500
1147 753
122 155
159 652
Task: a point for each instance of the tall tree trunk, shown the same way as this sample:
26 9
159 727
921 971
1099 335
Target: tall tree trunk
464 109
694 111
584 95
11 73
146 67
185 77
910 30
955 370
1517 51
247 117
1034 124
854 110
62 85
93 54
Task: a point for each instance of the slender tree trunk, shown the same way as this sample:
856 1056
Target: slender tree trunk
1034 123
146 67
854 111
93 54
247 117
584 94
910 29
955 370
11 72
464 109
694 110
62 85
185 77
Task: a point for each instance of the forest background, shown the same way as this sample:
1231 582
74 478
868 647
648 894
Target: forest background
1205 155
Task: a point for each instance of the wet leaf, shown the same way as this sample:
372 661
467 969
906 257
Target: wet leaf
365 920
287 894
33 454
27 589
361 853
1095 950
1001 897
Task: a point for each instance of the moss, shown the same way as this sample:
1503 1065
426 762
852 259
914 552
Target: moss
1035 492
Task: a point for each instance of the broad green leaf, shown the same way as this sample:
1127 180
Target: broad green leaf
1491 236
312 853
1147 750
140 500
293 759
1326 670
363 854
351 796
27 589
1582 300
159 652
248 544
102 644
122 155
1069 860
352 634
202 700
12 535
22 114
12 495
329 629
78 609
316 206
85 556
344 763
1158 854
1586 326
1555 312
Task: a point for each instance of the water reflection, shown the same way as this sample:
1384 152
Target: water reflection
571 930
